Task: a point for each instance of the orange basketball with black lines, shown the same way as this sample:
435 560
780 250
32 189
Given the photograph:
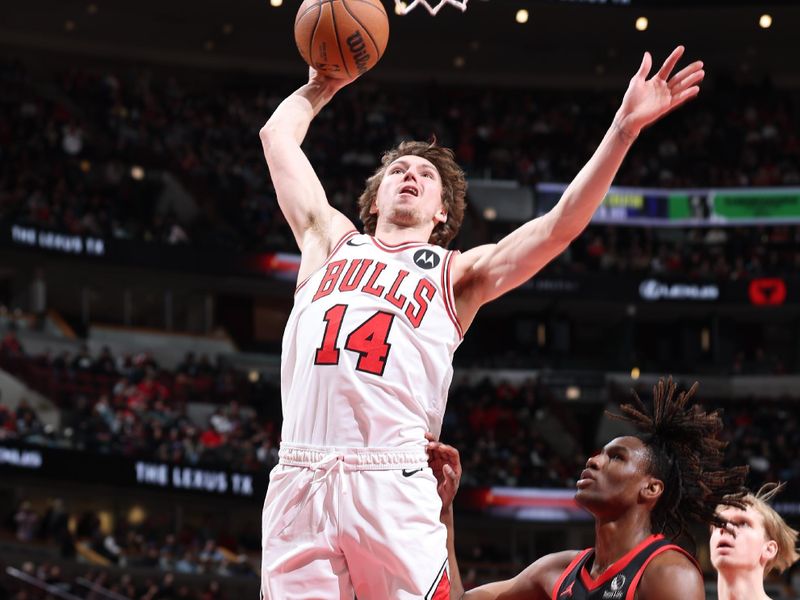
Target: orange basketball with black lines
341 38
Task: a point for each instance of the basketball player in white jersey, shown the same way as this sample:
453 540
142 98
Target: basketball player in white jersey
352 508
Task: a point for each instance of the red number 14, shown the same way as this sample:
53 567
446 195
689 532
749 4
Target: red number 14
368 340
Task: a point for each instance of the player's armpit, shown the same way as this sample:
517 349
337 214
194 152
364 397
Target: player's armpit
487 272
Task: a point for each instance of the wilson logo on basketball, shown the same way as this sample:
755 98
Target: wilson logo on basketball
359 51
767 292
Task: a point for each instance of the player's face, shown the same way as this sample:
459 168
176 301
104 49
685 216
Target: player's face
410 193
615 477
742 545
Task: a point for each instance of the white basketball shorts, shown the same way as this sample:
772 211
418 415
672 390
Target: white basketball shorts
345 523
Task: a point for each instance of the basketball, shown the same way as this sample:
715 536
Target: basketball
341 38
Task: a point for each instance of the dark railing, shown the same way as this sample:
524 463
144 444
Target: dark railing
98 590
52 590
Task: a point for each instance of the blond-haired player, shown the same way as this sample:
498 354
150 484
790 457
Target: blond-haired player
755 542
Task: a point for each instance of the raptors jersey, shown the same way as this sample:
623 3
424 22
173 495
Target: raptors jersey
368 348
620 581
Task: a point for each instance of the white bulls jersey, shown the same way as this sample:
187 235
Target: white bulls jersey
368 348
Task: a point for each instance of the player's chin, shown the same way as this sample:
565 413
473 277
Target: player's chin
587 498
405 216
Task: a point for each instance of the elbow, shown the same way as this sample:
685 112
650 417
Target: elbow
269 135
266 132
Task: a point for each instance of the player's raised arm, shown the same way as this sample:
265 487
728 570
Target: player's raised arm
315 224
486 272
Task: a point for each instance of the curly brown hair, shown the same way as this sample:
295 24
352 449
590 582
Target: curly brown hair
454 188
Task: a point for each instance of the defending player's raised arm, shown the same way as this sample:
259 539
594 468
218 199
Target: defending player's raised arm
314 223
486 272
534 583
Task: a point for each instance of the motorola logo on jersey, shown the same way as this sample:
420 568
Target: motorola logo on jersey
427 259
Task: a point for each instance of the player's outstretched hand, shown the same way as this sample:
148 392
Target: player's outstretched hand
647 100
445 463
333 85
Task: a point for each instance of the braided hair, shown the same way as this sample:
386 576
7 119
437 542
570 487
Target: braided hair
686 455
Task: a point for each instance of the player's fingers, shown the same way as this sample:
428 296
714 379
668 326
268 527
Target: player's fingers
686 72
669 64
644 68
430 437
693 79
685 96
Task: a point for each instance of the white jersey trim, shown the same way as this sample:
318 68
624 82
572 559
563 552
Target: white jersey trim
447 290
399 247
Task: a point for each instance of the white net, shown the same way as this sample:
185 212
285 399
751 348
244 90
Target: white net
404 7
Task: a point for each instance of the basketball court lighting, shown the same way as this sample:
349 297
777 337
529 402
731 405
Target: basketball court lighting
137 515
275 3
765 21
137 173
69 25
522 15
227 29
400 8
92 9
642 23
635 373
459 62
573 392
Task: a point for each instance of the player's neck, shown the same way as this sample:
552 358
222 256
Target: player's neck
741 584
394 235
614 538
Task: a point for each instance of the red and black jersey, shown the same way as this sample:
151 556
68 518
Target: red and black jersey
620 581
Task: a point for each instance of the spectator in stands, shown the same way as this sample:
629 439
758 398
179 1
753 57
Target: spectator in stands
55 525
28 424
25 520
82 361
10 345
211 557
105 364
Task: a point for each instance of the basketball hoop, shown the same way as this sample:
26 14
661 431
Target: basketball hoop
403 8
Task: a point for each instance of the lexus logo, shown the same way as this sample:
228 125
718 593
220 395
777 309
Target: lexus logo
652 289
427 259
767 291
